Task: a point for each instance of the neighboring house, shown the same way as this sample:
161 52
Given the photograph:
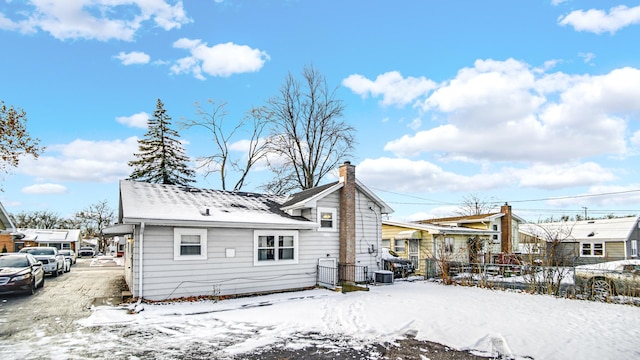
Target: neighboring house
58 238
584 242
7 229
505 224
184 241
419 242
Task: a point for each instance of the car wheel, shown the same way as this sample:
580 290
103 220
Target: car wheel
42 282
32 288
601 290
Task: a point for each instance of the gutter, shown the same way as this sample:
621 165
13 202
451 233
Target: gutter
140 267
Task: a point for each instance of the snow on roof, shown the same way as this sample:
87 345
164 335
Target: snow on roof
598 229
171 203
439 229
51 235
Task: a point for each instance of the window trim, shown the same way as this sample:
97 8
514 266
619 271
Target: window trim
276 234
592 249
177 241
449 244
634 248
334 218
401 250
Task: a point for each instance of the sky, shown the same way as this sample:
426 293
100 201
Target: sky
530 103
514 325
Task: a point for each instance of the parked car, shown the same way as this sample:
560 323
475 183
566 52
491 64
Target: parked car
20 273
602 280
52 261
401 267
69 254
86 251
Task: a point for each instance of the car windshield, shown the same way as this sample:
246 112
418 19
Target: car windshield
40 251
13 261
64 252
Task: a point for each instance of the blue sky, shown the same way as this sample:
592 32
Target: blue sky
534 103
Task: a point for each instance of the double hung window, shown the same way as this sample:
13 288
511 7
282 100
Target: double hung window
275 247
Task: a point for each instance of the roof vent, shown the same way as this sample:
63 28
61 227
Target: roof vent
591 234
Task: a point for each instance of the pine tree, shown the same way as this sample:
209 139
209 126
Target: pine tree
161 158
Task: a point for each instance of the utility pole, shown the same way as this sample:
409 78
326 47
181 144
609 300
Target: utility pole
585 212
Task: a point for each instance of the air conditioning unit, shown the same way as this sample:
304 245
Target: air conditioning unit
383 277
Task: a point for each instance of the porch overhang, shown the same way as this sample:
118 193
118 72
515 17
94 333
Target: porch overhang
118 230
408 234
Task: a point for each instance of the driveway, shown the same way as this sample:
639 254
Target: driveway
63 300
30 325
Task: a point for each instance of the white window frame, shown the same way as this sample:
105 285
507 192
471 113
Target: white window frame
634 248
334 219
386 244
177 242
276 234
399 246
591 248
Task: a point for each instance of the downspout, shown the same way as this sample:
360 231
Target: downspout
140 267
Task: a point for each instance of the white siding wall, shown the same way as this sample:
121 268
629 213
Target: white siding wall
166 278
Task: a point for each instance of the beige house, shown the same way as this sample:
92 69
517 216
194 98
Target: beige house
505 238
419 242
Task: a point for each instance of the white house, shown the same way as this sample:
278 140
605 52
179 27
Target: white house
185 241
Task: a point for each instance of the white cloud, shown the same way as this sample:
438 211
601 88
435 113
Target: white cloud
415 124
587 57
138 120
134 57
394 89
45 189
83 161
79 19
557 2
403 175
507 111
598 21
221 60
606 196
635 139
560 176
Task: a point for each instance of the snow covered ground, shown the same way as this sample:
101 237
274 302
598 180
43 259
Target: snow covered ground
489 322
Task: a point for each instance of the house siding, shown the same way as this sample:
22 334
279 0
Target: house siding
165 278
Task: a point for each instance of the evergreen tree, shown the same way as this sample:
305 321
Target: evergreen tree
161 158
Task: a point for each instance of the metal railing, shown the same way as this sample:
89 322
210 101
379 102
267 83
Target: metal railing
332 277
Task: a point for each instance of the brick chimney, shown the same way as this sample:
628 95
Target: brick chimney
505 225
348 214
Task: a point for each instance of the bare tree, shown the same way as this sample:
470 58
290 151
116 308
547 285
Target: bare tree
309 139
94 219
473 204
222 161
39 220
550 255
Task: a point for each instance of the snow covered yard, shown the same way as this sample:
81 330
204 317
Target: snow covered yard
489 322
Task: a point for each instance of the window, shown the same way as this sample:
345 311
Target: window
448 244
386 243
275 247
592 249
634 248
495 228
189 244
327 219
399 246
